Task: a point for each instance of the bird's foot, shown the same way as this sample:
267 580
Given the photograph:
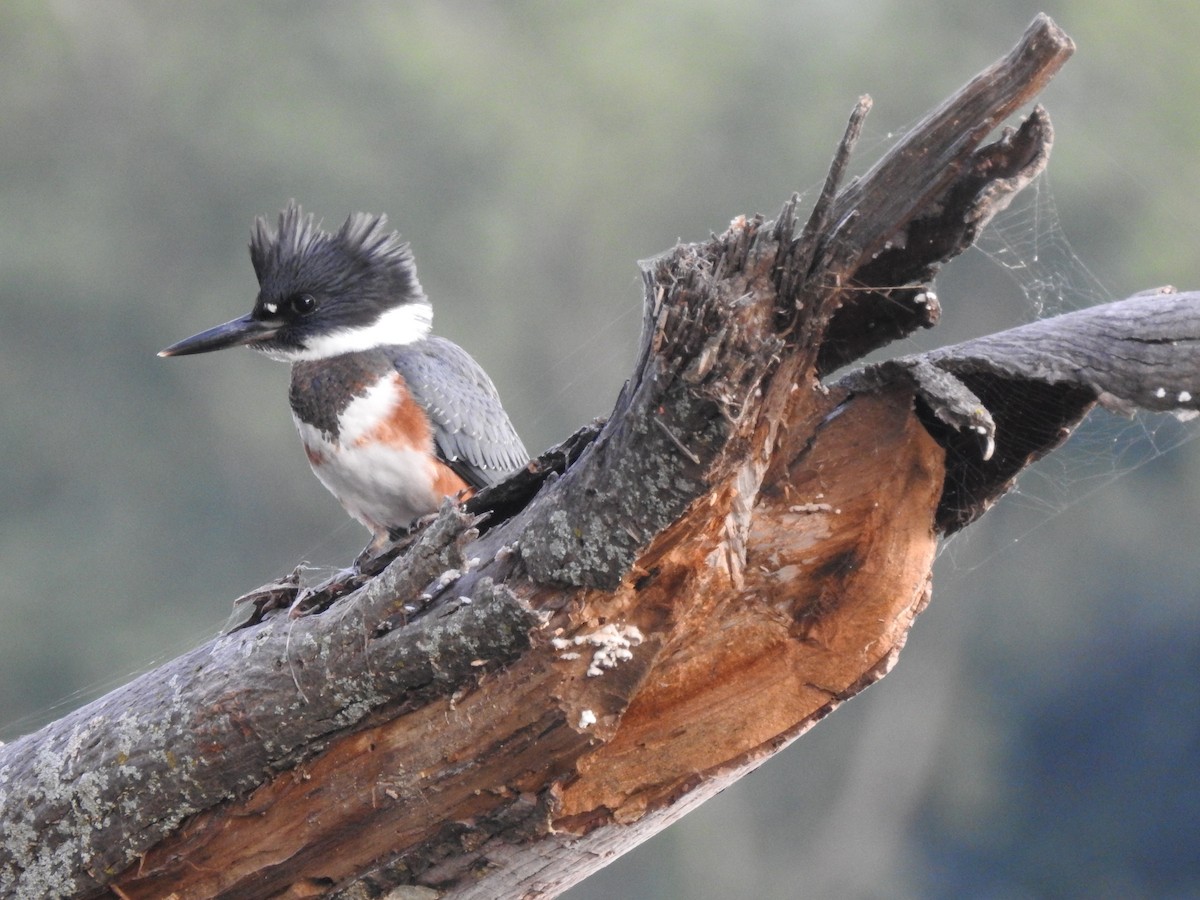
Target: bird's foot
384 547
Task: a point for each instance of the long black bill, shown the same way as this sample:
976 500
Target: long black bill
245 330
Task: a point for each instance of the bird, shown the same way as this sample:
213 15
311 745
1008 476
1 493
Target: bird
393 419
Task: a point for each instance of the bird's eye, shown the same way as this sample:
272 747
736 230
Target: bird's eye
303 304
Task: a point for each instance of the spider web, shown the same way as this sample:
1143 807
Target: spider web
1029 246
1028 243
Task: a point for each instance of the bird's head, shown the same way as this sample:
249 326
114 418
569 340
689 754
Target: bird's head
321 293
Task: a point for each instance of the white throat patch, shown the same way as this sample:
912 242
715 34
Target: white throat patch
404 324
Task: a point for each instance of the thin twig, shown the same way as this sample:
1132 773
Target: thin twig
819 218
676 441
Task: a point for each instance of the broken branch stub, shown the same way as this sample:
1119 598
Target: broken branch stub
726 311
1001 402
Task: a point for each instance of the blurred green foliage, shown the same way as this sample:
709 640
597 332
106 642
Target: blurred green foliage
1040 737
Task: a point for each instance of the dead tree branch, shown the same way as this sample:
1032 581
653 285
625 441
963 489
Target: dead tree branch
543 680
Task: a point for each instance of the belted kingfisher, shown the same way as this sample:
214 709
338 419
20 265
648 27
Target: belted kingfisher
392 419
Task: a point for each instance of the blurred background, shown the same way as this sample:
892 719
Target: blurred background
1041 734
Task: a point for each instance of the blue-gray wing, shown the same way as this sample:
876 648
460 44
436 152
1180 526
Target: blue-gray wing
471 431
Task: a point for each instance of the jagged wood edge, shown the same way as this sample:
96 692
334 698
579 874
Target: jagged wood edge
1035 383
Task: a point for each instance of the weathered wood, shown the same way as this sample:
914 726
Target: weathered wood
652 609
215 722
1000 402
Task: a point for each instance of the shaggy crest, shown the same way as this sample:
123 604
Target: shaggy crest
362 255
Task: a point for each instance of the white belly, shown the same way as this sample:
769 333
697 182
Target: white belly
383 483
382 486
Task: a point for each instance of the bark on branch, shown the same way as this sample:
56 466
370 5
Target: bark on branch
543 680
